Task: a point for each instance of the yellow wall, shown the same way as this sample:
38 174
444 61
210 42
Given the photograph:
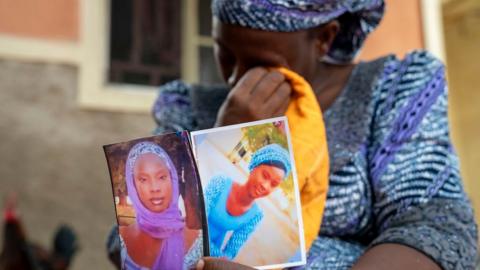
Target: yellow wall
462 40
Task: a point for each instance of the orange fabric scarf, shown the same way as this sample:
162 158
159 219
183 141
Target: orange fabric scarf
310 150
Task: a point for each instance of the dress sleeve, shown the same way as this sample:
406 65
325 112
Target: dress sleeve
419 199
172 110
211 194
239 237
213 190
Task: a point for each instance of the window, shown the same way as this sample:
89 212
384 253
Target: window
146 42
100 87
208 70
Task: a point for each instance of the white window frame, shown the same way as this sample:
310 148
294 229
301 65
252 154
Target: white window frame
433 34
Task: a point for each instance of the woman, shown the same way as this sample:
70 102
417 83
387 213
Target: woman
232 207
155 240
396 199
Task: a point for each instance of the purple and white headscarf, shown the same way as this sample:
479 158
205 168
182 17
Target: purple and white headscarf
357 19
167 225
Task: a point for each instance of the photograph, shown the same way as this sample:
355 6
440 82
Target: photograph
158 202
251 193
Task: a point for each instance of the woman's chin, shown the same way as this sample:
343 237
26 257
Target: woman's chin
157 208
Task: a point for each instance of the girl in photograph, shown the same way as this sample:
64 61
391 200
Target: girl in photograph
232 207
155 240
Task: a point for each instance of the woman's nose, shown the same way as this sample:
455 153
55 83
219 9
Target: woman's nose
265 186
156 186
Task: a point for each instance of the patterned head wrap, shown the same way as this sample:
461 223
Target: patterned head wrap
167 225
357 19
272 154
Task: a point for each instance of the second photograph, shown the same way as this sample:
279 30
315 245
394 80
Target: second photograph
251 193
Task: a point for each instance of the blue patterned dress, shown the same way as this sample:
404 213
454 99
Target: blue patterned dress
220 222
394 175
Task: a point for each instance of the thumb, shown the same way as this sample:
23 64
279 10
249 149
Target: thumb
209 263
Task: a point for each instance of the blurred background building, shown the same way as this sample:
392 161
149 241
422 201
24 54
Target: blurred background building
78 74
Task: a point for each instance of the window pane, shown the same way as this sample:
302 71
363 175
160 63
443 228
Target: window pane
145 42
208 69
204 17
121 29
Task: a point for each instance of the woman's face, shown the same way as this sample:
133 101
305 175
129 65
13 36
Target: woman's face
153 182
238 49
263 180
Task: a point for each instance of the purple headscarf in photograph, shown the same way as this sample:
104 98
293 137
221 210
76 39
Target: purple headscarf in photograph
167 225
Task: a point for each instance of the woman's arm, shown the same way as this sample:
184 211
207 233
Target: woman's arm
423 217
394 257
213 190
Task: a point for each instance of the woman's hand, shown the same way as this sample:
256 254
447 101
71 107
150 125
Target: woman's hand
259 94
210 263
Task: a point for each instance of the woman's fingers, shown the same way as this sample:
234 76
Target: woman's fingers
282 109
267 86
249 81
200 265
279 100
259 94
209 263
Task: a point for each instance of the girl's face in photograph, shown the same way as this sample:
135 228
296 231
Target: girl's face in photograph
263 180
153 182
